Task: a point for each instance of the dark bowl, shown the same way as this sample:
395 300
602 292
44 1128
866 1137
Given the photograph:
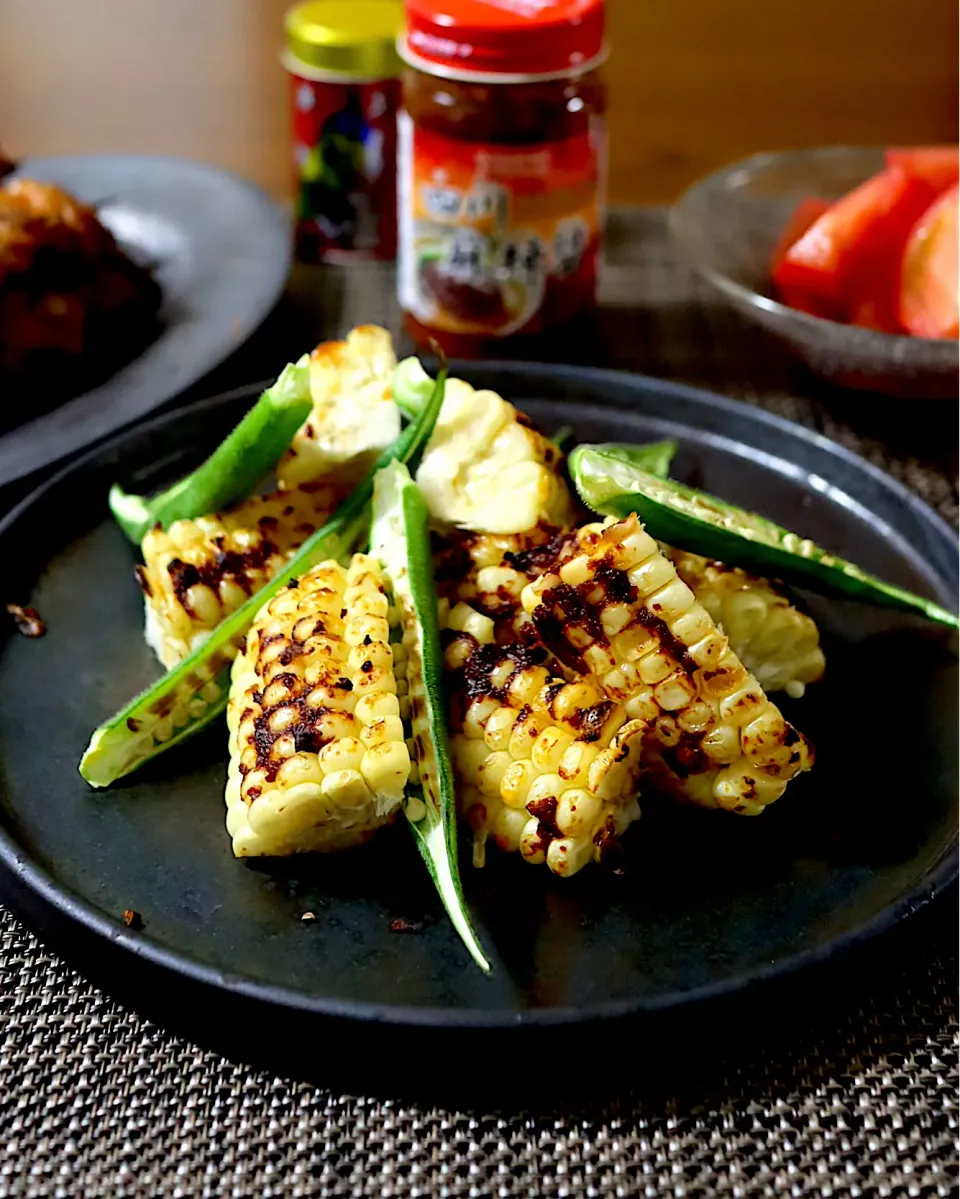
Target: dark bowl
728 225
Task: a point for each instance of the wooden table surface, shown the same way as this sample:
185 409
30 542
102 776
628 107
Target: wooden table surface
694 83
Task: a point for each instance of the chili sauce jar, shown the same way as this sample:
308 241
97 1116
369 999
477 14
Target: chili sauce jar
344 77
502 169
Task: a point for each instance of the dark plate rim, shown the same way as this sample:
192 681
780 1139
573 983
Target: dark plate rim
935 879
274 222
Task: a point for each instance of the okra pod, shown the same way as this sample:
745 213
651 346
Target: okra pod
401 541
234 468
411 386
195 691
654 457
612 485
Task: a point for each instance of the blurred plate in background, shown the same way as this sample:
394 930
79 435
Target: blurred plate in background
220 251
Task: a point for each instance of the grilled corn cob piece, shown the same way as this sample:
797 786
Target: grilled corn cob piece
490 570
485 469
547 767
354 416
199 571
778 644
618 611
318 759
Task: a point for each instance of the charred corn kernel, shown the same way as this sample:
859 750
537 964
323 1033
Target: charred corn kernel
353 416
527 728
701 724
198 572
671 601
532 843
507 829
491 771
544 788
578 811
541 739
318 764
458 651
499 726
516 781
777 644
549 748
649 576
567 855
478 716
501 581
469 756
525 685
464 619
574 767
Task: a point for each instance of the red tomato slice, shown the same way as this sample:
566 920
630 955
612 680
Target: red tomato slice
937 165
852 253
803 216
871 313
929 280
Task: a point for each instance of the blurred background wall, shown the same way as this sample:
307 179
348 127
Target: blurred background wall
694 83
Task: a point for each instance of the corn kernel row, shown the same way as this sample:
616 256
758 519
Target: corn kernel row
318 758
618 611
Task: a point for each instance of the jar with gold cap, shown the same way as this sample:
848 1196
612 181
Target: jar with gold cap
344 73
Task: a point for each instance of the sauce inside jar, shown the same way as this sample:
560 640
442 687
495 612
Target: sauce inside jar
501 169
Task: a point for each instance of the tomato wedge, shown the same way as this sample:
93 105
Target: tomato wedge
929 277
852 253
938 166
806 212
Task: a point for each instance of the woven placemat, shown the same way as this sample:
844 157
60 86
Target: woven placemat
96 1101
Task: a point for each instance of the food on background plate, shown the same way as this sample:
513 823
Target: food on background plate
418 651
73 305
884 256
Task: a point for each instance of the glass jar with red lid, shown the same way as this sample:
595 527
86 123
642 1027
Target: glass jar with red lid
501 169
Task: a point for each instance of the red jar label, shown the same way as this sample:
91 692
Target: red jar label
497 239
344 144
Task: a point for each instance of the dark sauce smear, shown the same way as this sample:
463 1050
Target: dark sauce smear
538 559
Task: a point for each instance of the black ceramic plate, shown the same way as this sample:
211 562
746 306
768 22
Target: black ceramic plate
221 250
710 904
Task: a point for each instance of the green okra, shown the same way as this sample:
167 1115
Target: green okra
234 468
654 457
411 386
196 690
400 539
612 485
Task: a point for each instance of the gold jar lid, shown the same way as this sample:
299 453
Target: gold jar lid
346 37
